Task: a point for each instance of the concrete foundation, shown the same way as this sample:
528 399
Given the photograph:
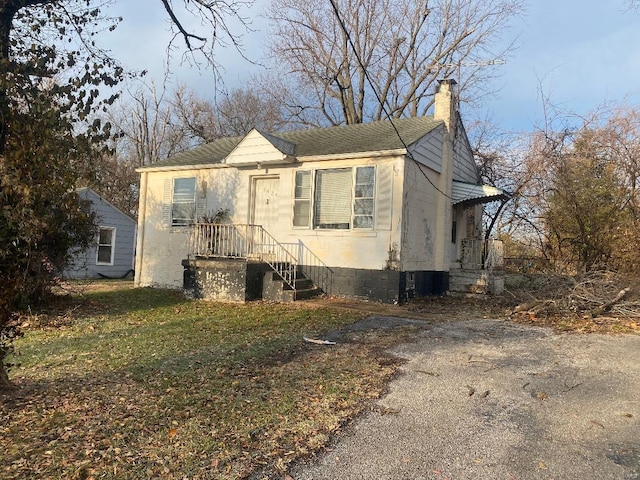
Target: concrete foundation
477 281
229 280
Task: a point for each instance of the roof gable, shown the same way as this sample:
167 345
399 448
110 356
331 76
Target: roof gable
99 202
465 168
259 148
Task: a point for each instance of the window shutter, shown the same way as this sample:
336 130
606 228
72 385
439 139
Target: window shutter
384 197
201 200
166 202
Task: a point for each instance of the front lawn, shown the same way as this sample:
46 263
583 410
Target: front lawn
141 383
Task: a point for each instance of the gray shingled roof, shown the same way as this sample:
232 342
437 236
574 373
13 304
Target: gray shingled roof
365 137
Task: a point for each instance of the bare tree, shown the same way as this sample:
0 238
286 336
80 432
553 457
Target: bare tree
147 127
329 48
244 109
579 198
233 113
155 123
215 18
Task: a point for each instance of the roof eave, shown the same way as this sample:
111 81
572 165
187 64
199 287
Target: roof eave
169 168
353 155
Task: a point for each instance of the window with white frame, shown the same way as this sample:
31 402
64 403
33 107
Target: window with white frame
183 208
106 245
363 197
337 198
302 199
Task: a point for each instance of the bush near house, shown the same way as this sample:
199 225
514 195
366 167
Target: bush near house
141 383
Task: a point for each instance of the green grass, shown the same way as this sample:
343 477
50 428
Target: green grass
141 383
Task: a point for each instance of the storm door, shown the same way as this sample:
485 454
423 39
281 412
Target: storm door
264 210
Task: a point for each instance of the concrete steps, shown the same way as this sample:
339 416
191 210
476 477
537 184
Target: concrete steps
275 289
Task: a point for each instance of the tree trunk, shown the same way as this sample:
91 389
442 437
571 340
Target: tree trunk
5 383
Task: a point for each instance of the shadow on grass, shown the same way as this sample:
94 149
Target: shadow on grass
65 306
122 302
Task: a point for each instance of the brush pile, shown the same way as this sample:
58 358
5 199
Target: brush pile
598 296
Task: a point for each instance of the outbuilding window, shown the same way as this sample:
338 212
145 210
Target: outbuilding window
106 245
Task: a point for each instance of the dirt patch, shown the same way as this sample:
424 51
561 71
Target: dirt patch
429 308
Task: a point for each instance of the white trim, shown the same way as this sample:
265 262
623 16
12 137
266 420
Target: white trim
112 244
173 200
308 226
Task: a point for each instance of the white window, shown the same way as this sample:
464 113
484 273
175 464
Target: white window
363 197
106 245
343 198
183 208
302 199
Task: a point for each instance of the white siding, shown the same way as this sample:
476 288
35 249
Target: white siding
254 146
162 249
419 224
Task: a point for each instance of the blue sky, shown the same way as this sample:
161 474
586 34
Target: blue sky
581 53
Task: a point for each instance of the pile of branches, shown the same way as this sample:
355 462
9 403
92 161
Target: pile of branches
598 294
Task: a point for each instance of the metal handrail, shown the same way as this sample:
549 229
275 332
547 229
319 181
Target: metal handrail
311 266
243 241
482 254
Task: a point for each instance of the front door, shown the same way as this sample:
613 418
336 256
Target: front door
264 210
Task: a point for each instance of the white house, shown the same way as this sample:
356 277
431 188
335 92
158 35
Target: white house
112 253
379 210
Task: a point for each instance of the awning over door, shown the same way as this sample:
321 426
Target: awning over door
472 194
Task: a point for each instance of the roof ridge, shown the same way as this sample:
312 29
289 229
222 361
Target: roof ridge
360 125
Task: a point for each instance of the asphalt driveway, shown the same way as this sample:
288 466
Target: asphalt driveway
488 399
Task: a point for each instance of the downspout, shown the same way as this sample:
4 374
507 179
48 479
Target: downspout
142 218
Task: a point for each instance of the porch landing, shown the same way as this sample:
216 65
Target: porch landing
240 280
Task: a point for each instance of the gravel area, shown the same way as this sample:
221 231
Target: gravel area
488 399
